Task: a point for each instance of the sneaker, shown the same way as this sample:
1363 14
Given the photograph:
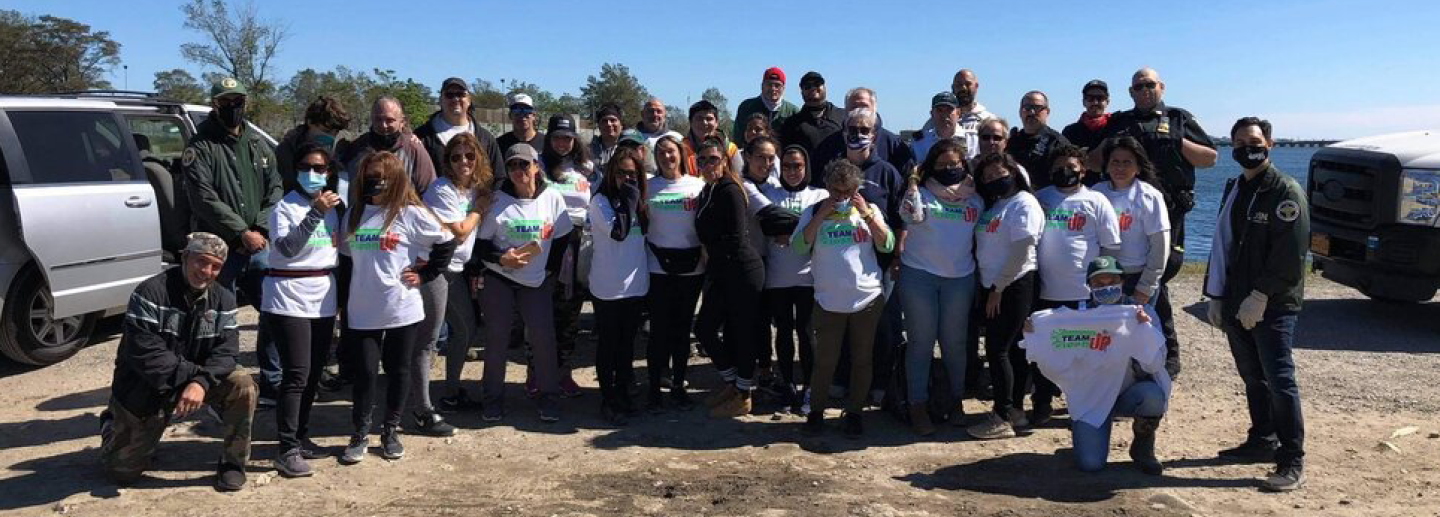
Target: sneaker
814 424
992 428
738 405
612 415
331 382
229 478
311 450
654 402
1255 450
1017 418
681 400
532 389
548 409
854 425
1285 479
920 420
493 412
721 396
568 388
292 464
390 446
957 416
805 402
457 401
355 452
432 424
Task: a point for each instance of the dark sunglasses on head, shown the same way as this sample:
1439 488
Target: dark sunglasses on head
1034 107
469 157
991 138
317 167
1147 85
708 160
1096 98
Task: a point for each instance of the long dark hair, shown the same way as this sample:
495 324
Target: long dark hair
927 167
1142 161
610 184
1008 162
753 145
552 159
332 177
720 145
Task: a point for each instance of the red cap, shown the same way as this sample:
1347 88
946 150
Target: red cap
774 73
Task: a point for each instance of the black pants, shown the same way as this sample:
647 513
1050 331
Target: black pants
304 345
1009 373
370 348
616 323
672 309
736 292
1045 390
790 310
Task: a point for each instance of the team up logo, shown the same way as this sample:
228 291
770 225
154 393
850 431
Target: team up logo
1126 219
526 230
373 239
1063 339
955 212
989 223
1060 219
843 233
321 238
672 202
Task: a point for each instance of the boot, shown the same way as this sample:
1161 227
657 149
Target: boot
920 420
1142 449
722 396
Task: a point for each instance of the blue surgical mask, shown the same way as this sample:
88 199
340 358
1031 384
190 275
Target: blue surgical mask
311 180
1108 295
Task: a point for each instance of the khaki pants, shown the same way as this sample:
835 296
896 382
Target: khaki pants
831 332
128 441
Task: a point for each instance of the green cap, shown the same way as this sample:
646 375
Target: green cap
1104 264
227 86
632 136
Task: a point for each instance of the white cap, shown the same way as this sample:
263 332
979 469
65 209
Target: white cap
520 98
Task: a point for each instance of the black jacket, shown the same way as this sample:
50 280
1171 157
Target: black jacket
888 147
1268 248
809 128
1035 152
722 223
169 340
493 153
1161 136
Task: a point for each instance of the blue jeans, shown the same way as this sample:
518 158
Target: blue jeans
1092 444
243 275
935 307
1262 355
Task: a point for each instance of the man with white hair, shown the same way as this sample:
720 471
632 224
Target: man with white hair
887 146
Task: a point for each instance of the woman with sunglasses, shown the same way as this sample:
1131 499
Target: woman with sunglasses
676 269
619 280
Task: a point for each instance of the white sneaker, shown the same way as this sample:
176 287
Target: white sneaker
992 428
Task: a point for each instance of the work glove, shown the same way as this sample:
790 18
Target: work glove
1252 309
1212 312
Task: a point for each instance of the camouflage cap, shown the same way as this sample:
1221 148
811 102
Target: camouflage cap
1102 265
208 243
227 86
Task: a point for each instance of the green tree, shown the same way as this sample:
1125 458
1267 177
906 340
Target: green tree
713 95
236 42
484 94
348 87
179 85
677 119
49 53
615 84
416 99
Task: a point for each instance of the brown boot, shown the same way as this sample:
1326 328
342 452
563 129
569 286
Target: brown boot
719 397
1142 450
920 420
737 405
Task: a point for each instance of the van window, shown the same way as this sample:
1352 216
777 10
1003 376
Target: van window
75 147
165 136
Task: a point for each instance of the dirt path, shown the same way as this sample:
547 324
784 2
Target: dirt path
1366 369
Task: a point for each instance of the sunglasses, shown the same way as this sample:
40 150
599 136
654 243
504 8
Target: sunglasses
522 112
1096 98
859 130
457 94
707 160
992 138
517 164
1034 107
458 157
1147 85
317 167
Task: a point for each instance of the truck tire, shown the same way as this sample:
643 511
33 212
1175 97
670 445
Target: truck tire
28 332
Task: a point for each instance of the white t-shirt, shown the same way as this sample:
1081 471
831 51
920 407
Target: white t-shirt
618 269
943 244
512 223
1010 220
444 131
842 260
784 267
1088 355
755 199
576 189
378 300
309 297
452 205
672 215
1076 226
1140 212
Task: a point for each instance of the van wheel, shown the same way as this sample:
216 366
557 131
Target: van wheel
30 334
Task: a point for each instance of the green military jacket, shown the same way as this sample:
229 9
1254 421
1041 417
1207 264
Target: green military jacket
231 182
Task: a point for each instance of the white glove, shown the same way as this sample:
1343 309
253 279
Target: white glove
1252 309
1212 312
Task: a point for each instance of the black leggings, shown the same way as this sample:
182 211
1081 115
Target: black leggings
370 347
790 310
616 323
672 309
304 345
737 295
1009 372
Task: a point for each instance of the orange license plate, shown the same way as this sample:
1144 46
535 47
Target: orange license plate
1320 244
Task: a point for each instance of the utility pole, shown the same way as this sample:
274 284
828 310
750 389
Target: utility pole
127 75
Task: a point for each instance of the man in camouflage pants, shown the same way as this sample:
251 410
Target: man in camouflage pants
177 353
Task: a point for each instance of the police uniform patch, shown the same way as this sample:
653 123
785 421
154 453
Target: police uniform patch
1288 211
188 157
229 83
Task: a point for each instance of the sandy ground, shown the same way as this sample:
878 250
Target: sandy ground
1366 370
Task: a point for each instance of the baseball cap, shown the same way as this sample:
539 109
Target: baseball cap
560 125
811 78
1102 265
207 243
523 151
227 86
521 100
774 73
944 99
631 136
1096 83
454 82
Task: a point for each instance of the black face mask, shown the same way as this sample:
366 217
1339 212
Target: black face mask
384 142
372 187
948 176
995 188
1250 156
1064 177
231 116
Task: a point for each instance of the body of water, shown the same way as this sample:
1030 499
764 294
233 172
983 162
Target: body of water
1210 185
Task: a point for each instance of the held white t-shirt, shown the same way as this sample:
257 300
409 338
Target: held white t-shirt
452 205
576 190
1088 355
619 269
1076 226
378 299
309 297
784 267
1010 220
513 222
672 205
944 243
842 260
1140 212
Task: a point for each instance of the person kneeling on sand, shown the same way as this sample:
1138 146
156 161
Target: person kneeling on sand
177 353
1109 359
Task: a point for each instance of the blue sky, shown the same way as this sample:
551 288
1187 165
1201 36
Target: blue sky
1316 69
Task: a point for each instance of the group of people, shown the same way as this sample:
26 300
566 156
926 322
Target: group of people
809 231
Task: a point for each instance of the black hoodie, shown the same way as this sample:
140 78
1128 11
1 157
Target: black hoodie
427 135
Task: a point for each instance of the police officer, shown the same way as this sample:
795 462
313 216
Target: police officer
231 183
1256 282
1033 144
1177 145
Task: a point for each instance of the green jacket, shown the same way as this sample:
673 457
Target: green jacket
1267 250
752 106
231 182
